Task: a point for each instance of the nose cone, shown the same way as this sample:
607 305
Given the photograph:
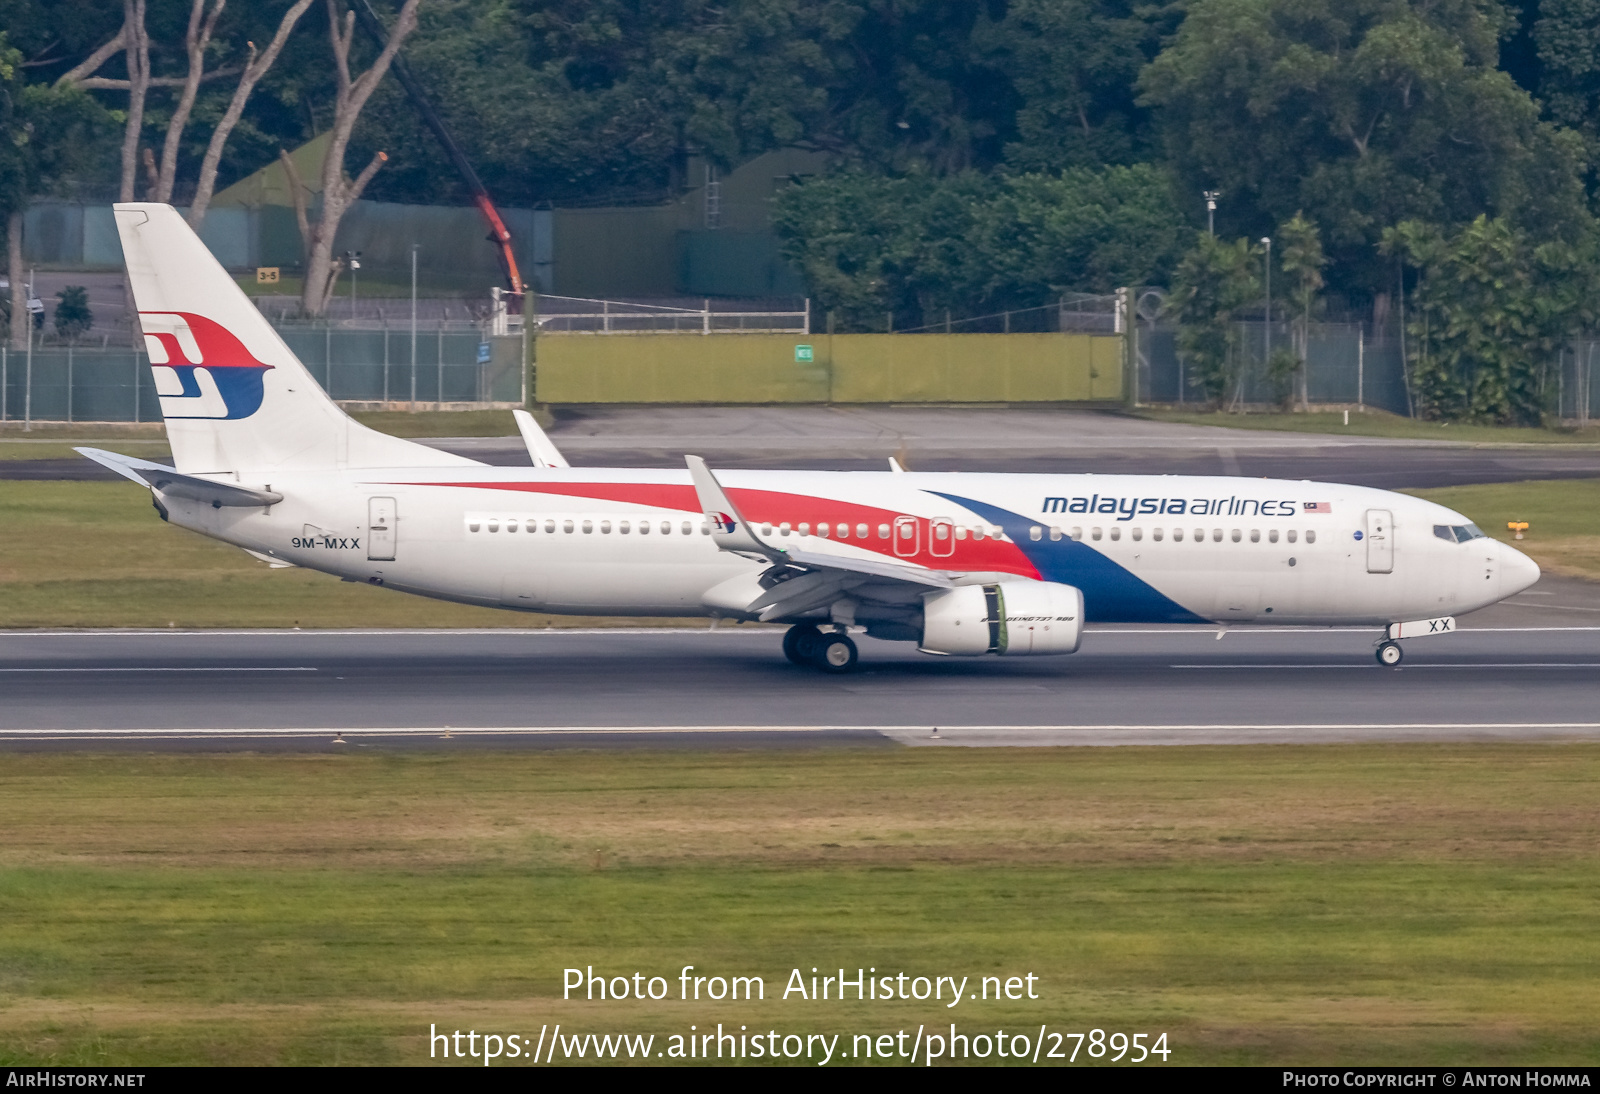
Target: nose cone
1517 571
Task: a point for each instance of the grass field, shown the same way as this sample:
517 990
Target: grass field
1340 904
1374 423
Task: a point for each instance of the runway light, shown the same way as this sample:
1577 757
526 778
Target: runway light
1517 526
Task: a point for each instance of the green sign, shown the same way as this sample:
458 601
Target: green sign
802 354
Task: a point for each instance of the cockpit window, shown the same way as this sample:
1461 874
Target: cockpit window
1457 533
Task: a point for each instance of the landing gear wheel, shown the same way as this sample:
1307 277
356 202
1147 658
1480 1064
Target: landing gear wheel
800 643
835 653
1390 654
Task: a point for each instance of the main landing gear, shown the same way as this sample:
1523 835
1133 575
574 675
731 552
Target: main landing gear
1390 654
831 651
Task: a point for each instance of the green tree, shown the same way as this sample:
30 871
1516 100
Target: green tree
1300 255
1213 281
73 317
916 246
1363 113
1567 35
1489 315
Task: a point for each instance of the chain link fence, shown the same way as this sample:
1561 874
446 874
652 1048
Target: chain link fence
450 364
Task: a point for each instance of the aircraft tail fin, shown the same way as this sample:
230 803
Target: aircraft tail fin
234 396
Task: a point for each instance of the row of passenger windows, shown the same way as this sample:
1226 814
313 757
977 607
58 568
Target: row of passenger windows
1158 534
941 531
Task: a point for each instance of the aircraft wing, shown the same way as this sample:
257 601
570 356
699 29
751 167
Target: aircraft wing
540 449
175 484
806 579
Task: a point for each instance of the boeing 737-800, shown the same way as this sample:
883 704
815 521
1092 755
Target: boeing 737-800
961 564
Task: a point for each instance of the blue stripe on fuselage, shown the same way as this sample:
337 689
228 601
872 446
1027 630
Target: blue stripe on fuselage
1110 593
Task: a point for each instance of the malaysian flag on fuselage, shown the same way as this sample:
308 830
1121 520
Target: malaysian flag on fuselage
1316 507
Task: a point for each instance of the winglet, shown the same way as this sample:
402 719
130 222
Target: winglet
540 450
729 530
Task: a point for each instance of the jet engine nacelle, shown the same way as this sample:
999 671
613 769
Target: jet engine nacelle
1013 618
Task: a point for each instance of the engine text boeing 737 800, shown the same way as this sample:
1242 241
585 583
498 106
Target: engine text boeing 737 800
960 564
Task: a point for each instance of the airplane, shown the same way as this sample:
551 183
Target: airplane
961 564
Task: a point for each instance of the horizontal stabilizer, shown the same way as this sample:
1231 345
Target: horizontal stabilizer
175 484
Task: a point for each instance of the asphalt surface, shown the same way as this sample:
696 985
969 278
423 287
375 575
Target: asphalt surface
1526 670
981 439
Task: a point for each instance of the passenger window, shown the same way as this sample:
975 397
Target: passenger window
1155 534
766 529
1255 535
588 527
1311 537
861 532
1293 535
1116 533
979 532
472 526
688 528
844 531
1077 535
1272 536
784 529
622 528
824 530
605 527
805 528
1036 533
1177 535
1094 534
511 526
941 532
1236 536
644 528
705 528
1055 534
550 527
1138 534
1216 535
566 526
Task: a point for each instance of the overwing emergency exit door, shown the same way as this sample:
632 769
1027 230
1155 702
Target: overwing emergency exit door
380 529
1380 541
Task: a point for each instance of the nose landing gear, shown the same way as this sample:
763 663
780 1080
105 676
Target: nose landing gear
833 652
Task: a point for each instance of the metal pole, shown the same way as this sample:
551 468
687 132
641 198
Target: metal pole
385 359
4 384
27 392
439 394
808 315
413 326
1266 333
69 381
136 387
1361 366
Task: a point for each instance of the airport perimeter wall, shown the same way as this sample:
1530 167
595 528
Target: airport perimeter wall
842 368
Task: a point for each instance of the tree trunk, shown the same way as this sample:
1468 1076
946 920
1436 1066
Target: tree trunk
338 191
195 41
19 295
254 69
138 55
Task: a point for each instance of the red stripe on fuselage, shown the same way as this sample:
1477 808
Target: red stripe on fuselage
775 508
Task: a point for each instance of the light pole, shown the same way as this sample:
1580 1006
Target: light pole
1266 335
413 326
354 259
1211 197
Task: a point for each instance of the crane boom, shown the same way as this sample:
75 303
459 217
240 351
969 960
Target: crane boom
499 235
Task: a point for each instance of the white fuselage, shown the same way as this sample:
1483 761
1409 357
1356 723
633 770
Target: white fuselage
635 542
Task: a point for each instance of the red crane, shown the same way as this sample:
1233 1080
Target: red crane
499 235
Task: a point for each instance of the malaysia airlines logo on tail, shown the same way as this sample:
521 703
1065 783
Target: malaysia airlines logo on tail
201 369
722 522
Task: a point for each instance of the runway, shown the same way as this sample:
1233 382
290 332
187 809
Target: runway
1528 670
